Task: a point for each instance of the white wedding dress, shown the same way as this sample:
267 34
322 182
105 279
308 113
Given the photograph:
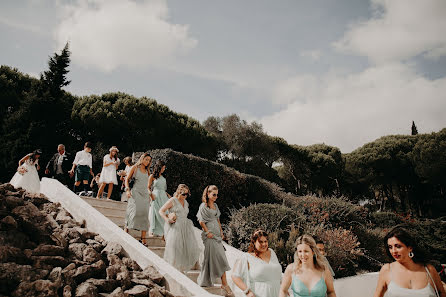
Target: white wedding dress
29 180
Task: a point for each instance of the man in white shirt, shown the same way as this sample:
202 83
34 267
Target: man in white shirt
83 163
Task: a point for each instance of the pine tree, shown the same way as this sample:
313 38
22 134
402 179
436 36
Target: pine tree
414 129
55 77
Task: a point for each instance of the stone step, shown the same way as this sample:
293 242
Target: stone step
159 250
193 275
118 220
217 290
111 211
105 203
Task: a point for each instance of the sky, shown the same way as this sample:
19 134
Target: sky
342 72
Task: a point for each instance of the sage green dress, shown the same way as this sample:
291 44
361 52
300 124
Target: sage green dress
159 192
214 262
137 213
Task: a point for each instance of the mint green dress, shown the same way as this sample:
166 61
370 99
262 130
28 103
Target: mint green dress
137 213
159 192
300 289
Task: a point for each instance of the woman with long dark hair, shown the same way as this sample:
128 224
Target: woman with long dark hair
308 275
409 274
159 197
215 264
26 176
258 272
137 213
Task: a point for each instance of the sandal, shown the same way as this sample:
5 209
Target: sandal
228 291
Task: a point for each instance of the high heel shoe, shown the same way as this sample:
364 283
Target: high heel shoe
228 291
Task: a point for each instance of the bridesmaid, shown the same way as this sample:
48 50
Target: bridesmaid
137 213
409 274
215 263
181 251
159 197
258 272
308 275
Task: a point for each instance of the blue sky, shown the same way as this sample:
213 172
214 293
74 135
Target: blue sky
339 72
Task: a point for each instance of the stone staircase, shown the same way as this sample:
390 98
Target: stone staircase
115 211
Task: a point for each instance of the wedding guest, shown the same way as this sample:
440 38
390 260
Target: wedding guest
59 165
182 250
321 247
159 197
123 174
215 264
108 173
258 272
308 275
137 213
94 185
83 163
26 176
409 274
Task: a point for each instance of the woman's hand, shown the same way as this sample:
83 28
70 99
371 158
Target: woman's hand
152 197
222 236
129 194
250 294
209 235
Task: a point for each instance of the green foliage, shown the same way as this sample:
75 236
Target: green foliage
56 76
137 124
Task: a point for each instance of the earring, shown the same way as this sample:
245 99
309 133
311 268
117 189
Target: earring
411 255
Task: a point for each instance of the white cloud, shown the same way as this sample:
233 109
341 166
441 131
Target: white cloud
106 34
314 55
348 111
21 26
399 30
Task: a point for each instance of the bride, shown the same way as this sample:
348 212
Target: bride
26 176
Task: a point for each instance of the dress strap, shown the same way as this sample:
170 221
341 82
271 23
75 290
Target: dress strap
390 270
432 280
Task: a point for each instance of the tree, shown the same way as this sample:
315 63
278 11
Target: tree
55 77
414 129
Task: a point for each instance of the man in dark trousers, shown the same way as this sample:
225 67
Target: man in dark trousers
59 165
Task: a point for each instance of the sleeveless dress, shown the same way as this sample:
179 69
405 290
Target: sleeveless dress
182 250
29 180
137 213
108 174
159 192
262 278
393 290
300 289
214 262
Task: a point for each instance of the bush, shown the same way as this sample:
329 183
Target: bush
386 219
273 218
331 211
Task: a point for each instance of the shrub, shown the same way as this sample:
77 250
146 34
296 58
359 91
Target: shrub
386 219
342 250
332 211
273 218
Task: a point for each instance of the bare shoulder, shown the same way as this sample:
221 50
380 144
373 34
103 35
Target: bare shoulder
384 272
289 269
432 269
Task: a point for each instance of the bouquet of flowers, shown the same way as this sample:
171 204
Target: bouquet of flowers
22 170
172 216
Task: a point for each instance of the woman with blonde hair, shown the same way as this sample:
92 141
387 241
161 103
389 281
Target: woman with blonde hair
182 250
258 272
137 213
308 275
215 264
